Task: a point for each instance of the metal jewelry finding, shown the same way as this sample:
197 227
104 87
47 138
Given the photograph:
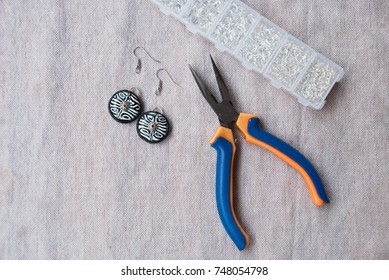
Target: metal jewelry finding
159 86
139 63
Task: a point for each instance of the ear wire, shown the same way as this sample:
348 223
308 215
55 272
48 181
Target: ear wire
139 63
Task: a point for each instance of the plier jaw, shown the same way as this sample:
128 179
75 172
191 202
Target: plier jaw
226 114
224 110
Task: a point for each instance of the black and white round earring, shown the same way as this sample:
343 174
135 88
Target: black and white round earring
153 126
125 106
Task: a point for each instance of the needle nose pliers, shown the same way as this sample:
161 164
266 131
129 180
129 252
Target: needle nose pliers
224 143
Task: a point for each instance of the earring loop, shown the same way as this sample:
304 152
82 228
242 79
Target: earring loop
159 110
139 63
136 90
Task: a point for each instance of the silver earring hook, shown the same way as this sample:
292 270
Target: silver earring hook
159 87
139 64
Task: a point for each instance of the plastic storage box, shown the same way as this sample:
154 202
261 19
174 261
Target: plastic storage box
259 45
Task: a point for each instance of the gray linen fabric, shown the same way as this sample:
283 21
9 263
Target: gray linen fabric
75 184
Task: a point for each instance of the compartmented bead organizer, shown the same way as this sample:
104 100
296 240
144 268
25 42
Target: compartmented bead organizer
260 45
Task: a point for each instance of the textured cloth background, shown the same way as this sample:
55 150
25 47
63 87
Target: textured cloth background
75 184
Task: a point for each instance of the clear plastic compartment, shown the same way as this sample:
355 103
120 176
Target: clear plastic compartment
260 45
174 6
288 63
317 81
202 14
234 25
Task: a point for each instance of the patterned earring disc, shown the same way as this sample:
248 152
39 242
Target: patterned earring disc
153 127
124 106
